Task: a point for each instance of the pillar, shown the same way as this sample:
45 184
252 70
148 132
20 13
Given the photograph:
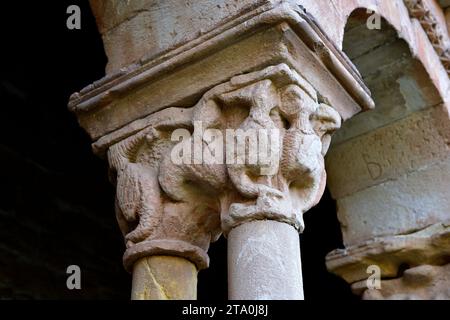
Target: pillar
164 278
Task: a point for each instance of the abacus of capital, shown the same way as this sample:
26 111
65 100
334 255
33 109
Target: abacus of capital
268 65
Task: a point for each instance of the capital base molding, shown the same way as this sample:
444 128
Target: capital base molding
430 246
173 248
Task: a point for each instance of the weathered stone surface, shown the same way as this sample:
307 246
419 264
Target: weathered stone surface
420 283
281 34
388 168
297 178
400 206
413 143
396 13
432 20
148 27
427 246
271 66
169 208
164 278
152 222
383 163
399 84
175 208
264 262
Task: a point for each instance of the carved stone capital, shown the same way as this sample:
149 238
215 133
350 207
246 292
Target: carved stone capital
280 114
170 207
269 69
273 133
153 220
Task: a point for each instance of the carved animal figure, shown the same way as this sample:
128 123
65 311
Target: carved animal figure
138 198
260 98
304 145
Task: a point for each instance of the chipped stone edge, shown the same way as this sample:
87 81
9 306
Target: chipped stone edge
427 246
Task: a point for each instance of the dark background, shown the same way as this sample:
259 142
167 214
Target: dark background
56 203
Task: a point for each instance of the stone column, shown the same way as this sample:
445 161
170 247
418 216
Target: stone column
264 262
160 112
164 278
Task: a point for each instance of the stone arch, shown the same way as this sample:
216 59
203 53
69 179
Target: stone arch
389 168
397 79
405 132
395 13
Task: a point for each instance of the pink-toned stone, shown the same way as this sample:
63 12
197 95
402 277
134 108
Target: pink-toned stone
150 27
172 63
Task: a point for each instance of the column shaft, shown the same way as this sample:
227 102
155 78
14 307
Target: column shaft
164 278
264 262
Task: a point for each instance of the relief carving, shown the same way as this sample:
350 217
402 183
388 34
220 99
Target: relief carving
166 206
158 215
